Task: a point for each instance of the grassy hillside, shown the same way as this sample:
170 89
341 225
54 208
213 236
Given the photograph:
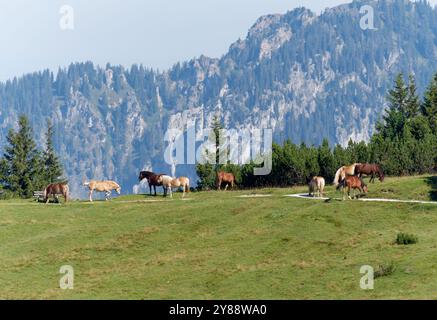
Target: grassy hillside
219 245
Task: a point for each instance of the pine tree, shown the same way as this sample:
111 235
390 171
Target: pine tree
326 161
22 161
53 167
429 106
395 117
412 107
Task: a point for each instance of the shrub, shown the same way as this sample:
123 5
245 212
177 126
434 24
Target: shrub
385 270
406 239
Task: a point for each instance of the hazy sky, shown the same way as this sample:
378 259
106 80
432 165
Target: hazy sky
156 33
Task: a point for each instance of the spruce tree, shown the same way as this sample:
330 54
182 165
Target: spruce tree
429 106
395 117
52 166
22 161
412 103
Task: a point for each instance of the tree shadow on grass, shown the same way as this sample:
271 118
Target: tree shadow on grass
432 182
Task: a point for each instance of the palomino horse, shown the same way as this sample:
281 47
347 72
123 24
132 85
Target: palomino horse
343 172
370 170
152 179
102 186
169 183
352 182
54 189
316 186
224 177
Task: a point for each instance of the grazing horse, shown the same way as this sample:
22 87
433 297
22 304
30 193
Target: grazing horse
152 179
352 182
224 177
370 170
343 172
54 189
102 186
316 186
169 183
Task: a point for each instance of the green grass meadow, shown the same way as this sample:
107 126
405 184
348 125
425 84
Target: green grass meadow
217 245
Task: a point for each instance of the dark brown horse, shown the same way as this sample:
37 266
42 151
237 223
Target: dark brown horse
152 179
224 177
369 170
54 190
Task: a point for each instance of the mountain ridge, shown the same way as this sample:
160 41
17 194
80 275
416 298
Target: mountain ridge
110 122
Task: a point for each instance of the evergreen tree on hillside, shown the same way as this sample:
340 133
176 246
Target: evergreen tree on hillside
429 106
52 166
412 103
326 161
207 171
22 161
395 117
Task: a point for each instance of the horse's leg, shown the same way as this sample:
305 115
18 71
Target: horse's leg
219 184
227 185
91 195
171 192
48 198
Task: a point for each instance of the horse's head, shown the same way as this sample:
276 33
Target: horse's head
143 175
86 184
381 174
118 190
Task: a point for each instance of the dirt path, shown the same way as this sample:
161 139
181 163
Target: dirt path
305 196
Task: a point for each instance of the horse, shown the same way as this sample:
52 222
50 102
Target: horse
183 182
352 182
152 179
169 183
343 172
54 189
316 186
224 177
102 186
370 169
166 182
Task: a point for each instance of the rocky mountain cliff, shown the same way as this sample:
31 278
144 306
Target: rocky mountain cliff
304 75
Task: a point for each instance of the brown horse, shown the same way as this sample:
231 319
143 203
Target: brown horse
152 179
369 170
54 190
352 182
224 177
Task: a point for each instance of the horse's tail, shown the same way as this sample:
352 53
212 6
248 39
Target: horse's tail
337 176
66 193
46 190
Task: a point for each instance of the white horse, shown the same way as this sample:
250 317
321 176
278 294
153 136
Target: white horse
168 183
316 186
102 186
344 171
